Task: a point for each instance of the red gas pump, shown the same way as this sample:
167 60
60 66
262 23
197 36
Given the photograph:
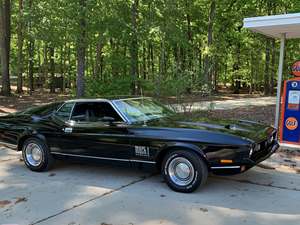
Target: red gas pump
290 108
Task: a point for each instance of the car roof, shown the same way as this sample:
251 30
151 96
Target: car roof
88 100
109 99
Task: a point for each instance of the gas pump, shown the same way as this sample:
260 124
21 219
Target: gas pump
290 108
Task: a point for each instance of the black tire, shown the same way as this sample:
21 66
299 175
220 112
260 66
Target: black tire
200 171
46 161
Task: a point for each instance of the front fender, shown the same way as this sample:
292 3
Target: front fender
179 145
190 146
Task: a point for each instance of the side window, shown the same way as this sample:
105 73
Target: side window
65 111
94 112
81 112
104 109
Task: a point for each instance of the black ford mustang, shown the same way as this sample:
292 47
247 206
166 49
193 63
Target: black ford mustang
137 131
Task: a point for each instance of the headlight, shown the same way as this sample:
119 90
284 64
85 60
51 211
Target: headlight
251 152
271 139
257 147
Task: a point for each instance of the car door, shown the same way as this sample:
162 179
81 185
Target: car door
55 127
10 131
90 132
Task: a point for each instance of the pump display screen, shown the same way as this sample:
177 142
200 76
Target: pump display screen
294 100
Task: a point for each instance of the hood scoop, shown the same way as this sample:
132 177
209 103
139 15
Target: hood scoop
232 127
227 126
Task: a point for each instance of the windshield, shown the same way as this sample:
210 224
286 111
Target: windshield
142 109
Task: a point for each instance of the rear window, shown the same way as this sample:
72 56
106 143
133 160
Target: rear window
42 110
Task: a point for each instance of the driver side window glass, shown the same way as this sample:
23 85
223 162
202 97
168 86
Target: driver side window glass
94 112
65 111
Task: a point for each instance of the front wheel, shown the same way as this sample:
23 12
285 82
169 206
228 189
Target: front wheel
36 155
184 171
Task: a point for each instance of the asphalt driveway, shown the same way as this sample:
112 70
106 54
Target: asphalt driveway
73 194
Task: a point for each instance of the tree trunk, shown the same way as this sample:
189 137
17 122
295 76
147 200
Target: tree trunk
151 61
62 67
70 78
273 66
92 62
176 59
161 74
125 64
236 70
182 58
267 69
252 67
31 56
215 76
207 60
267 72
39 65
144 66
52 69
134 47
256 72
20 43
81 51
5 23
31 65
45 65
114 47
200 72
189 36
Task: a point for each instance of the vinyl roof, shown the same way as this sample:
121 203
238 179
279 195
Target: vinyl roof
274 26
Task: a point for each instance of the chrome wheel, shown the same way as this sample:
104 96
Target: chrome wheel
33 154
181 171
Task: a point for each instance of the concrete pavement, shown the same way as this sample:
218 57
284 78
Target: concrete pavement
75 194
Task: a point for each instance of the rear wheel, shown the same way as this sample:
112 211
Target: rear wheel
184 171
36 155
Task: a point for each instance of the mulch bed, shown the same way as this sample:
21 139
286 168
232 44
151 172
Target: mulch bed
16 103
260 114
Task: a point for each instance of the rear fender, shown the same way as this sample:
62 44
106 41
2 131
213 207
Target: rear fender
27 135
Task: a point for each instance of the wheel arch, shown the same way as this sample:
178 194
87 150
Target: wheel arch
27 136
179 146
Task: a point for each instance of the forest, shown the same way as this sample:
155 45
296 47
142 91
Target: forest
91 48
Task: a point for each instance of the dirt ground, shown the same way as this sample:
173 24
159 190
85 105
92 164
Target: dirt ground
202 98
16 103
261 114
264 114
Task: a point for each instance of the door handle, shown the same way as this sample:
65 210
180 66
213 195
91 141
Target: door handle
68 130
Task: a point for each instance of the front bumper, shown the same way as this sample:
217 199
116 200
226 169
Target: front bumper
262 155
246 163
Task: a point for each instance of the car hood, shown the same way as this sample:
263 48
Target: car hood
245 129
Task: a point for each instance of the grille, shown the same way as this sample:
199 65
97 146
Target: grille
265 143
